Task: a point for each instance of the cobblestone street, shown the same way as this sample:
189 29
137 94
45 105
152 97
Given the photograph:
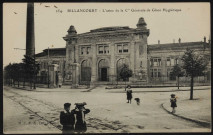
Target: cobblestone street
38 111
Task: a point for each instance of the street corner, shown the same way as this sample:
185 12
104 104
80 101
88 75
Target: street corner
187 111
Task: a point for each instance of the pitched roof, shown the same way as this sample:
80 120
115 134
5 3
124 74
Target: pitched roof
53 52
178 46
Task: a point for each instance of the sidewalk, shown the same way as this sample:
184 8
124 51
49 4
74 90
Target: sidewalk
161 89
38 89
197 110
103 88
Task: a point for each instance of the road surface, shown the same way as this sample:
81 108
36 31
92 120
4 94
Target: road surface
38 111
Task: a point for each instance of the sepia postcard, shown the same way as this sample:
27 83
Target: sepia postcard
106 68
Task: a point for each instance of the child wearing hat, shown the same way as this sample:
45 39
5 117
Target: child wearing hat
80 111
129 94
67 119
173 101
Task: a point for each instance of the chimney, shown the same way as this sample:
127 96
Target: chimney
204 39
30 35
179 40
158 41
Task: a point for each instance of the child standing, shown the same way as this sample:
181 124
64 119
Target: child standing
173 101
80 111
67 119
129 94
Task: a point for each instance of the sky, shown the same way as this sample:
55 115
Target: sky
188 21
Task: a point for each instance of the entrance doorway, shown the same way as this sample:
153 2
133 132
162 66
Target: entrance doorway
103 74
103 69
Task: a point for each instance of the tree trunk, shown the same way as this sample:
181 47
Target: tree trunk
178 82
191 91
18 82
125 84
30 83
24 83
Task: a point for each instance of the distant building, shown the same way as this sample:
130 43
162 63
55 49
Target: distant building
101 53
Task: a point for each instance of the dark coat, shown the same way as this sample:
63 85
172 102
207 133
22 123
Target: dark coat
67 119
129 94
173 102
80 125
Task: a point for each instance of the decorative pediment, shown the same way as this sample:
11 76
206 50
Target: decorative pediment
104 38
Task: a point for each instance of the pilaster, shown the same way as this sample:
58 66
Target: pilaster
94 63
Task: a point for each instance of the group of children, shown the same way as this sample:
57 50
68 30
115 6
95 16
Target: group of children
74 120
173 98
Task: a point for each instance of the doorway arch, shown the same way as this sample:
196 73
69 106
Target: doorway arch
119 65
103 70
86 71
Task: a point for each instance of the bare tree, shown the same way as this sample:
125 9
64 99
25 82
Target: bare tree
194 65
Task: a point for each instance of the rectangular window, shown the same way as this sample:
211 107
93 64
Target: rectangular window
151 70
172 62
119 48
159 62
122 48
151 62
85 50
106 49
82 50
155 73
88 50
125 46
155 62
159 72
177 61
100 50
168 62
103 49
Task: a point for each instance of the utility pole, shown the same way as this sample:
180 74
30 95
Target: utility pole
34 75
117 72
48 78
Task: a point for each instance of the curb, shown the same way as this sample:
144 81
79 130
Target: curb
154 91
201 123
23 88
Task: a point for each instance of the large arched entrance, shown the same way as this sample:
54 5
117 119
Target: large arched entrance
119 65
103 70
86 71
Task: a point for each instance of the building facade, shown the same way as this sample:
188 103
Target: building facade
97 56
